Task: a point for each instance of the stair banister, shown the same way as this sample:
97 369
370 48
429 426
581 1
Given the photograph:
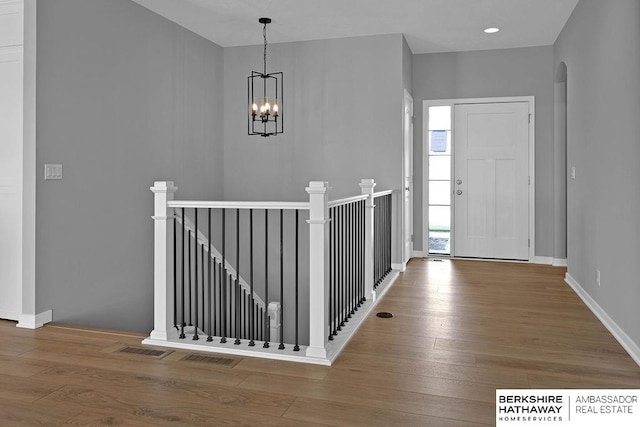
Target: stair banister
318 268
367 186
162 260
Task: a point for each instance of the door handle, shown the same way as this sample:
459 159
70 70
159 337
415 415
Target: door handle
459 192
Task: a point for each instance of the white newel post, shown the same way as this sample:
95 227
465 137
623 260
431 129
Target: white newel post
318 268
367 186
162 260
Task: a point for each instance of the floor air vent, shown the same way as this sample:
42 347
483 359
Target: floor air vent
211 359
158 354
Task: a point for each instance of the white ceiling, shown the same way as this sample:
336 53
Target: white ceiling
428 25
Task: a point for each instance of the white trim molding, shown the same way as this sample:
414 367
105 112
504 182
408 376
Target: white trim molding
625 341
544 260
35 321
399 266
9 315
559 262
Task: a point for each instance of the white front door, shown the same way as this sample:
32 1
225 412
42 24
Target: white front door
407 168
491 180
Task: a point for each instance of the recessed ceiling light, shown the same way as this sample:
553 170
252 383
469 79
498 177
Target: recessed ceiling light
491 30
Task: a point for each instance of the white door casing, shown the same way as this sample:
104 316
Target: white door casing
491 180
407 168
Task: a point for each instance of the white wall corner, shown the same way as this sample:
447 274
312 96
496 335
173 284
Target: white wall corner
625 341
35 321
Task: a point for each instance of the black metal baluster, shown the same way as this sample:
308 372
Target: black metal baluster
195 293
245 315
281 346
331 270
266 279
223 282
378 232
352 263
237 293
260 323
251 311
383 262
202 288
296 347
376 237
358 296
175 271
210 259
362 248
202 261
387 222
182 324
345 266
339 239
347 270
214 291
190 272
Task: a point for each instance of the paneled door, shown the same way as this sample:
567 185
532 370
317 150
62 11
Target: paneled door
491 180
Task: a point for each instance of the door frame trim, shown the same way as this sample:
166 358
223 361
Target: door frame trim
425 164
405 257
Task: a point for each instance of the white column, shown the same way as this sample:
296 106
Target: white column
367 186
318 268
162 261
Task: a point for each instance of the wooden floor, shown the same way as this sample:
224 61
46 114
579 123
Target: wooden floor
460 330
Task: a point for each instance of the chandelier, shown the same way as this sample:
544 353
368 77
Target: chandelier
265 96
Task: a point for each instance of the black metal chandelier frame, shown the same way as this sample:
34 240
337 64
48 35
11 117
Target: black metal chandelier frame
265 117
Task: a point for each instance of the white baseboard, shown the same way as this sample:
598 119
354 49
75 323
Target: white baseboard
625 341
9 315
31 321
401 267
420 254
544 260
559 262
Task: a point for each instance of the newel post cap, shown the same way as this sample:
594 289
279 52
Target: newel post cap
163 187
318 187
366 183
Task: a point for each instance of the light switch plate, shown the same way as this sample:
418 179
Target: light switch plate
52 171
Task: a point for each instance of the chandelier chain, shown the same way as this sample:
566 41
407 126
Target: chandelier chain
264 35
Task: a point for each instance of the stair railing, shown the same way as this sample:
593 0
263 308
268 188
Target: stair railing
209 288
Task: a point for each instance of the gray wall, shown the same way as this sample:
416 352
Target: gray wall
124 97
407 66
342 117
492 73
600 46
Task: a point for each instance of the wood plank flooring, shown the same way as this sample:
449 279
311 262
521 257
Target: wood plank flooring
460 330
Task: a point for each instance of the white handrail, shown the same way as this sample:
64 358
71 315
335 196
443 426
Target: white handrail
347 200
237 205
382 193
